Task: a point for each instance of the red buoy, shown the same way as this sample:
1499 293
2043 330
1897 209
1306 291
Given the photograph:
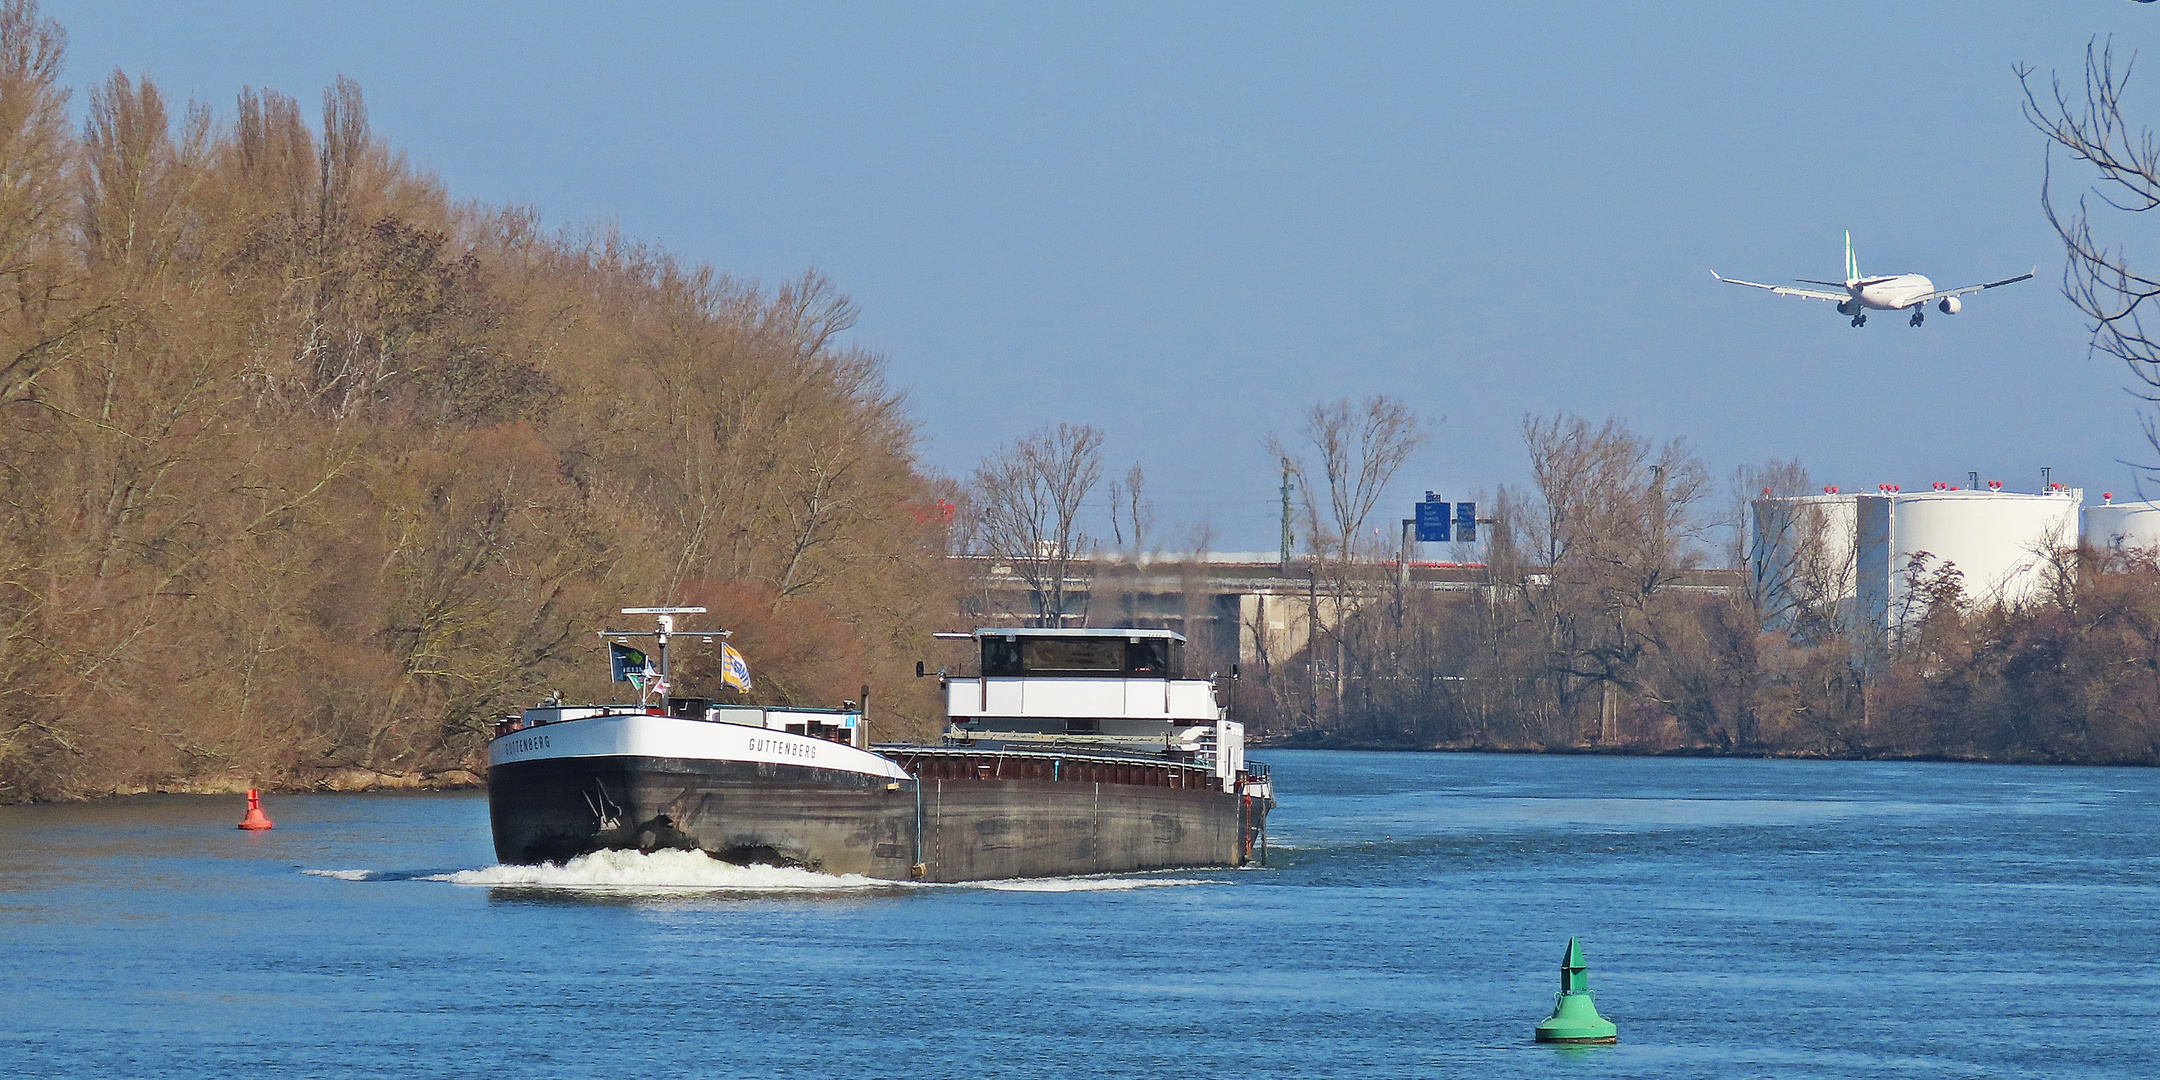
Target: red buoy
255 820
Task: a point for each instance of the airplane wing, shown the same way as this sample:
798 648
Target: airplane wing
1962 290
1787 290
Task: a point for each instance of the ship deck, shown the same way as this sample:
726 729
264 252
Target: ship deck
1056 763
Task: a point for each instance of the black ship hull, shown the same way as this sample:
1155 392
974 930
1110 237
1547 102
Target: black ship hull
1065 821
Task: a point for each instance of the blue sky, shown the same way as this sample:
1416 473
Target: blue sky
1183 223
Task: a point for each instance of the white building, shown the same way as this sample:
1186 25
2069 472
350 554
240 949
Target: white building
1857 553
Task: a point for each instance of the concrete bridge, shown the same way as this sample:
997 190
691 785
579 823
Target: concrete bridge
1231 607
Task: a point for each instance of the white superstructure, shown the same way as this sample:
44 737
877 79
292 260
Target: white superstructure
1121 690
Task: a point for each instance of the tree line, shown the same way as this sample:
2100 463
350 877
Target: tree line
312 471
1608 614
1613 606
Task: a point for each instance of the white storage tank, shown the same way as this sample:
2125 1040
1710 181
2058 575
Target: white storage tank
2117 526
2003 543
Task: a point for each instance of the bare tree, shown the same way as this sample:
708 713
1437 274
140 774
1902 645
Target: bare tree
2089 124
36 158
1802 568
1611 524
1798 550
1357 449
1773 479
1131 510
34 144
1027 500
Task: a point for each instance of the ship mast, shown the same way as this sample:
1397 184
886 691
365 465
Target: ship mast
666 617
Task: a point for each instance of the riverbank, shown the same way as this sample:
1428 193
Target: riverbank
322 781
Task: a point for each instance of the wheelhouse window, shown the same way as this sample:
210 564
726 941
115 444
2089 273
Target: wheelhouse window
1084 657
1148 657
1000 656
1072 656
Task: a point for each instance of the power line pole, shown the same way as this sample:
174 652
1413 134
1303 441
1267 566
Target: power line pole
1286 515
1402 563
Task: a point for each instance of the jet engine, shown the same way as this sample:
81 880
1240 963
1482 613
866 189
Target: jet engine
1950 305
1844 307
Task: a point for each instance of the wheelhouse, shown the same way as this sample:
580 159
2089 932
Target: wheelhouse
1083 654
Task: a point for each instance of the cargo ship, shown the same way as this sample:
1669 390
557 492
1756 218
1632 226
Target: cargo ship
1068 752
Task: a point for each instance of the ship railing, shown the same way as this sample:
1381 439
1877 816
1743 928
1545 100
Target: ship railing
982 763
520 721
812 720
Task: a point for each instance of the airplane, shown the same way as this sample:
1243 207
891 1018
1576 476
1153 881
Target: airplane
1895 292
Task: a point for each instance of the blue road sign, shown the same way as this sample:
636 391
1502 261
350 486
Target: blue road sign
1432 521
1465 521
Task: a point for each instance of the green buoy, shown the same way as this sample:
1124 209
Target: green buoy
1574 1017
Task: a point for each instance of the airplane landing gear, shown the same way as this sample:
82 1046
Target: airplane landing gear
1859 318
1918 316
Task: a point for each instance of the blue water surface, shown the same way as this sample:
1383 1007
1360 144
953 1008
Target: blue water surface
1741 918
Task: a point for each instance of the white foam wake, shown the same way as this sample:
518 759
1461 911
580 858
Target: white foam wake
694 871
670 870
343 875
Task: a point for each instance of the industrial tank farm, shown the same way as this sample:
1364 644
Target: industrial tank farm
1857 550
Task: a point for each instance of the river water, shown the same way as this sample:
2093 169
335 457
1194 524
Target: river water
1740 918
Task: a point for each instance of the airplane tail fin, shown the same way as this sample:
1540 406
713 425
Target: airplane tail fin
1852 265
